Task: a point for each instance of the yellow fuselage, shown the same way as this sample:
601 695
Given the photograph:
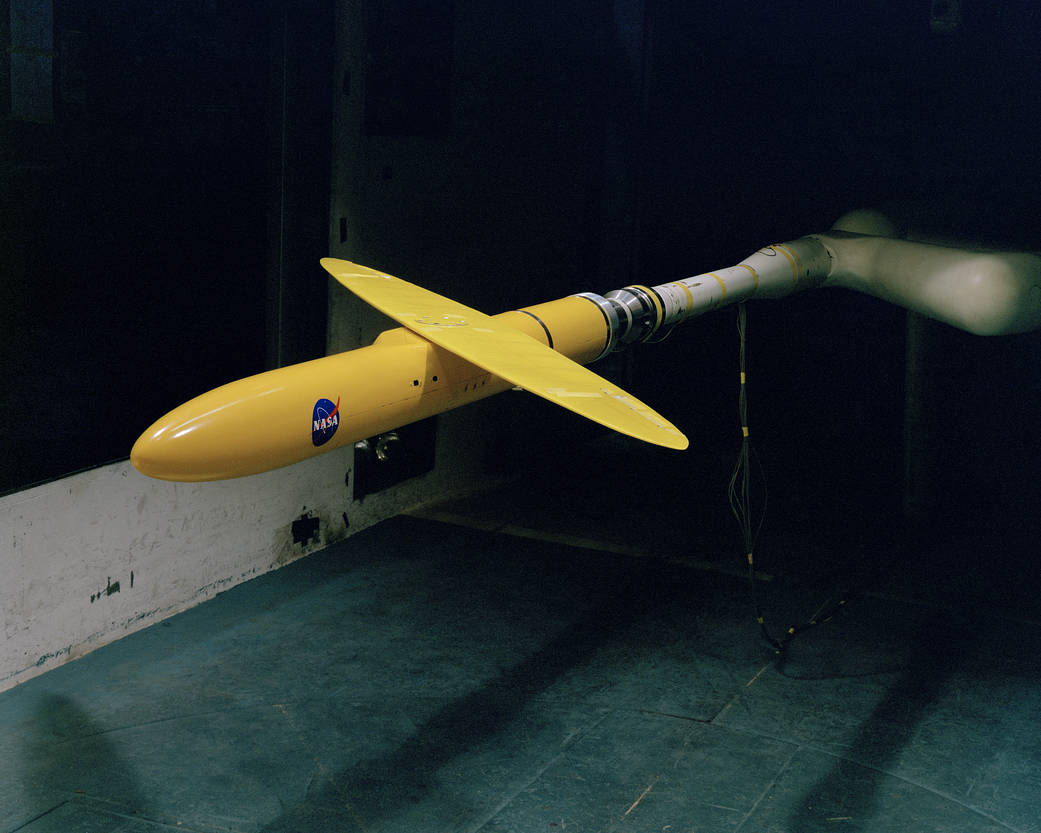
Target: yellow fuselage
266 421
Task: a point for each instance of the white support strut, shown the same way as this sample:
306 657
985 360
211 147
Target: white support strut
984 292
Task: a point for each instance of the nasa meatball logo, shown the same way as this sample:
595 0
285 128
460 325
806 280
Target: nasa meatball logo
324 421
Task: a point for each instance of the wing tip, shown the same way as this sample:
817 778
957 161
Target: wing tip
339 268
680 443
673 439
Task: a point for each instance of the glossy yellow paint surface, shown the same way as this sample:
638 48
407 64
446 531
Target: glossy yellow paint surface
287 415
506 352
269 420
576 326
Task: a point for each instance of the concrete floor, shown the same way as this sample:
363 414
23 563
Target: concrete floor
532 666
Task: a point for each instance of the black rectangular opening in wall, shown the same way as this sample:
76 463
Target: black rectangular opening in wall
393 457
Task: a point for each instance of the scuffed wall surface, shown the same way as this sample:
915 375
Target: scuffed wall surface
98 555
93 557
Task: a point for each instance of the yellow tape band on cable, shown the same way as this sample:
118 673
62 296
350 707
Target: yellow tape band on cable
744 430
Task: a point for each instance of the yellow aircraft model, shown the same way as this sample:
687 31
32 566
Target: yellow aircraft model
446 354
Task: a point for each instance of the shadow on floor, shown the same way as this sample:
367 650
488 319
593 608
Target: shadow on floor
847 794
70 758
956 635
373 792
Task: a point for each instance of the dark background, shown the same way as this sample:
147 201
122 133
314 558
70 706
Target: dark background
148 228
159 235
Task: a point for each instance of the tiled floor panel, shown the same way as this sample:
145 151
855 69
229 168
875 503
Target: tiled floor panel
421 676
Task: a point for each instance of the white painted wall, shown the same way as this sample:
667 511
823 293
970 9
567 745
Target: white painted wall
92 557
66 546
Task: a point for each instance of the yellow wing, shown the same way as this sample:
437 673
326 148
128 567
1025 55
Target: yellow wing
506 352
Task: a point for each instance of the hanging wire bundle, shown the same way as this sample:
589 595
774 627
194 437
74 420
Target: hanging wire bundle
739 491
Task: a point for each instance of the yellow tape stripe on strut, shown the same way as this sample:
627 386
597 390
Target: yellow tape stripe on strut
755 276
722 286
793 260
690 295
798 260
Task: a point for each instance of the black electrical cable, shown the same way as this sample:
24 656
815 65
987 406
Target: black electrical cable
739 491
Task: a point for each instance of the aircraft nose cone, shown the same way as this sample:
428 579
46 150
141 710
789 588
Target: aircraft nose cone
223 433
169 451
242 428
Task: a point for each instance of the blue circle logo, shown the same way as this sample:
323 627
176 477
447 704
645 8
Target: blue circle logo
325 419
